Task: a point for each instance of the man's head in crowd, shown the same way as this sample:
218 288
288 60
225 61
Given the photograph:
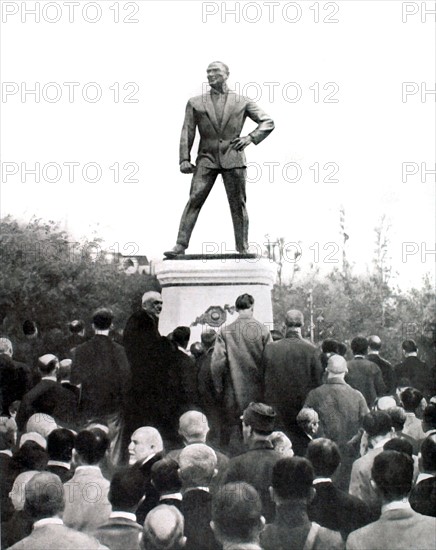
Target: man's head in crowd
102 320
281 443
427 455
77 327
245 303
258 422
165 476
399 444
385 403
193 427
152 303
294 321
208 338
359 345
17 494
429 417
237 514
411 399
31 455
181 336
48 364
292 480
163 529
324 456
329 346
409 348
342 349
308 421
60 445
377 424
42 424
6 347
144 443
398 418
64 373
196 349
336 367
392 475
90 447
197 465
126 490
30 330
374 344
44 496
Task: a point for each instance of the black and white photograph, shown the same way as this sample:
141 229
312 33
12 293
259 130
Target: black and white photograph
217 283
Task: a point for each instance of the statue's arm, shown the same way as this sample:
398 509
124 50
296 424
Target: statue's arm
265 124
188 134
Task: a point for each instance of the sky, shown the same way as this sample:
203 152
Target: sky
346 84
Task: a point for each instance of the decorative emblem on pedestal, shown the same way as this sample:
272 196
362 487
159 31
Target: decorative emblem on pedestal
214 316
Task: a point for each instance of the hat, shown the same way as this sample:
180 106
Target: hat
47 359
336 365
295 318
260 417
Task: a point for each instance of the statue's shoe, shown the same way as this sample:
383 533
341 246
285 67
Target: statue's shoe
177 250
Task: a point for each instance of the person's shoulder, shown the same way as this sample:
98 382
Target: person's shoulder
327 538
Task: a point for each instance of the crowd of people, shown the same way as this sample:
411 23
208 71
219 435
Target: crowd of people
247 440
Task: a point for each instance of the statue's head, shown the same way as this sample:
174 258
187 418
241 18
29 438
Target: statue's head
217 74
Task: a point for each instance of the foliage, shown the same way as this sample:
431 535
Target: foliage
49 278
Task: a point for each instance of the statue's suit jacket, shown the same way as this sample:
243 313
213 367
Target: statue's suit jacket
215 150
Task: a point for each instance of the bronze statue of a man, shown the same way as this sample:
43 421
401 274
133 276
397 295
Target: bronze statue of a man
219 116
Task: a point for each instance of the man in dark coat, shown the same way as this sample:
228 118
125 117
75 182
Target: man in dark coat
256 464
331 507
49 397
101 367
291 370
291 489
197 468
423 495
417 372
374 346
15 377
121 531
145 449
157 395
364 375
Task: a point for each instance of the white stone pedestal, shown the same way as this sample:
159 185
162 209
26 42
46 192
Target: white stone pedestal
191 286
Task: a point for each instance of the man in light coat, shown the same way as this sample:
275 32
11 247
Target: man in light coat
237 364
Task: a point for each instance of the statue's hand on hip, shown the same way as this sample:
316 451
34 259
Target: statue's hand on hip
241 143
186 167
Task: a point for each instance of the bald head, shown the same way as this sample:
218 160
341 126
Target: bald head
145 441
193 427
6 347
197 464
152 303
163 529
374 343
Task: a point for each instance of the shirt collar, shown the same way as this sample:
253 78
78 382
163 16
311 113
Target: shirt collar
47 521
322 480
358 356
199 488
6 452
149 457
53 378
88 467
124 515
396 505
66 465
175 496
381 442
423 476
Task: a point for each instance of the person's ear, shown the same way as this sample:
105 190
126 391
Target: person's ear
215 473
212 526
262 522
312 494
183 542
